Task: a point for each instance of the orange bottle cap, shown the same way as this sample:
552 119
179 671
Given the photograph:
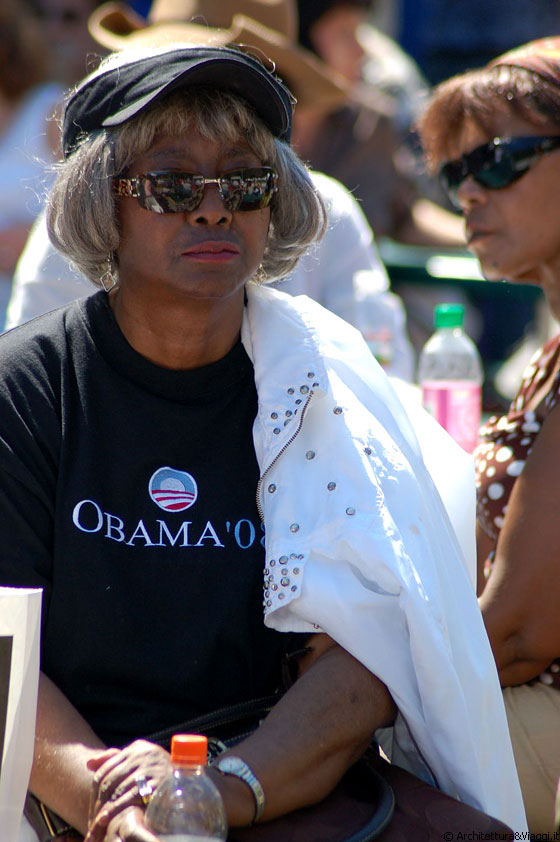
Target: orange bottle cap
189 749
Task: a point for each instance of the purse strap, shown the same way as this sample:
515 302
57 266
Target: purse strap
46 823
228 724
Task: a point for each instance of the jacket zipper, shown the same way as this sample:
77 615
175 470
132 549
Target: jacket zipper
282 450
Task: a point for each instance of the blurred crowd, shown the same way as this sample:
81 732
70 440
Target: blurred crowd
361 71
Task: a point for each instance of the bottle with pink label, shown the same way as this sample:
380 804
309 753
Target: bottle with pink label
450 376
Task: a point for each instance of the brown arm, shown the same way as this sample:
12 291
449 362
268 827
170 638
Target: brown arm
318 729
64 742
520 602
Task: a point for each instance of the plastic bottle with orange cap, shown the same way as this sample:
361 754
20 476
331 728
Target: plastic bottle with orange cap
187 806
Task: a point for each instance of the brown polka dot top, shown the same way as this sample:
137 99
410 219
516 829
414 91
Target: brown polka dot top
506 442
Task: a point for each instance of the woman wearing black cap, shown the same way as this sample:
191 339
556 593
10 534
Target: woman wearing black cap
152 430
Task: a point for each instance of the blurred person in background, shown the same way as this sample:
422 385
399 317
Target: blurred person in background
369 144
65 30
364 142
494 136
28 136
43 49
341 33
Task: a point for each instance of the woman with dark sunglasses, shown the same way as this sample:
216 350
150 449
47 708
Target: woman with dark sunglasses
152 430
494 136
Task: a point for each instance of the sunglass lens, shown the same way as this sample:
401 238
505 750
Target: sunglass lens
247 191
486 165
451 175
232 190
496 174
170 193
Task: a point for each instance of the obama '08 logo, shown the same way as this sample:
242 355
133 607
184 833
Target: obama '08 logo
172 490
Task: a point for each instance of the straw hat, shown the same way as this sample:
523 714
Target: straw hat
266 27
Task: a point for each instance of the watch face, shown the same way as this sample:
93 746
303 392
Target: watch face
230 764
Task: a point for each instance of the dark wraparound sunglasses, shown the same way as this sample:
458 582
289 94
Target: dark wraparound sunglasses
179 192
496 164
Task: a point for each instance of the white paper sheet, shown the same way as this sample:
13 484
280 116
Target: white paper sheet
20 622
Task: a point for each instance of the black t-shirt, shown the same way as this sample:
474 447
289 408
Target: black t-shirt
128 494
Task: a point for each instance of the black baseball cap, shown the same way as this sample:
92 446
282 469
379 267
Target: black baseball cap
117 94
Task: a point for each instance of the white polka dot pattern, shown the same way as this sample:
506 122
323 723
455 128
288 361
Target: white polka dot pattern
495 491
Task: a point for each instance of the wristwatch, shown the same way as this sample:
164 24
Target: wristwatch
231 765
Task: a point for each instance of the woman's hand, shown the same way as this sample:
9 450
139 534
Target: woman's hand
114 787
128 826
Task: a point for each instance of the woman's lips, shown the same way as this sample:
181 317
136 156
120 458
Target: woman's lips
212 251
476 234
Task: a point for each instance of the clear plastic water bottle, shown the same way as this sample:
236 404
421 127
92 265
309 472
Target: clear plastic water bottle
187 806
450 376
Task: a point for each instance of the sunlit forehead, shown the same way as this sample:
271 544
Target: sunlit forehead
196 154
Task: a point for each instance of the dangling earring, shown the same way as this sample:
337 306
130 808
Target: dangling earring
108 280
260 275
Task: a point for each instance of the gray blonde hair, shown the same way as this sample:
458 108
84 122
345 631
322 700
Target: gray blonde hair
82 215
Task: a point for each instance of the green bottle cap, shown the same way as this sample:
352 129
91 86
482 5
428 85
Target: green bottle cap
448 315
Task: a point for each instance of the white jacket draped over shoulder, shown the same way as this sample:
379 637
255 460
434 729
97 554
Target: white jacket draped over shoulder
359 545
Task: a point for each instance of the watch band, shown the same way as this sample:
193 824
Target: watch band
233 765
46 824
